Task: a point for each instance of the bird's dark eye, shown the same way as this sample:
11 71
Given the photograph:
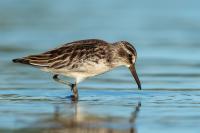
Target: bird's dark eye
130 56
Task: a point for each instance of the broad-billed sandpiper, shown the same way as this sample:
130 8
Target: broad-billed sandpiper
83 59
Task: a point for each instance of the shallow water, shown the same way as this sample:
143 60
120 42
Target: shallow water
166 36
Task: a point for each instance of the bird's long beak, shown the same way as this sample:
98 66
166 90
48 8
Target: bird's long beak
134 73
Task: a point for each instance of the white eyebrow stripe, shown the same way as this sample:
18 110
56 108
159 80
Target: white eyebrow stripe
125 48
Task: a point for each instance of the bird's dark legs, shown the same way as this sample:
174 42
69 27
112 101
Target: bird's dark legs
55 77
73 87
75 92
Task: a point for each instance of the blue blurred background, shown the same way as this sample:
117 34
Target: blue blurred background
165 34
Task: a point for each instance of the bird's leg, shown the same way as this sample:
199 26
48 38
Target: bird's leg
55 77
73 87
75 92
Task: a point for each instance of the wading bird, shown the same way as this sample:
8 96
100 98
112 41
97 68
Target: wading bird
83 59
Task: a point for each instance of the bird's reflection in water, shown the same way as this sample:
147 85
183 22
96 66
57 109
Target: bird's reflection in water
81 123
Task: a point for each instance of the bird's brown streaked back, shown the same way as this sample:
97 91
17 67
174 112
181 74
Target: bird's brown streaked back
66 54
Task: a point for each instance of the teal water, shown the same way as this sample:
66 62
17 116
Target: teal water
166 36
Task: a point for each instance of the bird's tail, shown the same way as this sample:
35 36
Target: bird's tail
21 60
34 60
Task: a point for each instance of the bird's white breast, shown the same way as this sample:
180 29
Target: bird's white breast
85 70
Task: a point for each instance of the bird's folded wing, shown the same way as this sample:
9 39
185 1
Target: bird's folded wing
69 55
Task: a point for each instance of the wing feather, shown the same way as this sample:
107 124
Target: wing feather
66 55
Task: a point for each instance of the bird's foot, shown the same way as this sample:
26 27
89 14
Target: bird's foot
73 98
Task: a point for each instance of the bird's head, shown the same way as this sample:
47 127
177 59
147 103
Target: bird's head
129 55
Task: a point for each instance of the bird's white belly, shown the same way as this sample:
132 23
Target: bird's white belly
86 70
